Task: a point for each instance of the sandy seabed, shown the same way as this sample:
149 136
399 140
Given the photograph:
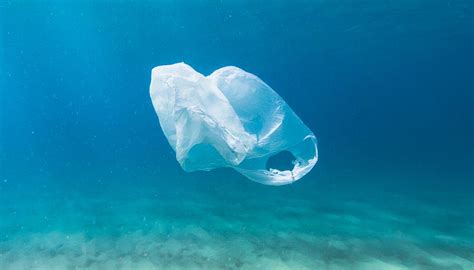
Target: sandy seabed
196 231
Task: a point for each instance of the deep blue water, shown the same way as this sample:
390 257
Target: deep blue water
88 181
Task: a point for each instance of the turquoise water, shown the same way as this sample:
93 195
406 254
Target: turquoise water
88 180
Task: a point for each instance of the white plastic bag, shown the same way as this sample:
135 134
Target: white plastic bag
230 118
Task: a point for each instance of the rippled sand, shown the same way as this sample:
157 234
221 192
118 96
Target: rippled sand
251 228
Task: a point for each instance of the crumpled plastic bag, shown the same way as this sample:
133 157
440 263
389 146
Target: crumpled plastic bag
230 118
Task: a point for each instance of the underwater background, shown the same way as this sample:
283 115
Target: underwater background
88 180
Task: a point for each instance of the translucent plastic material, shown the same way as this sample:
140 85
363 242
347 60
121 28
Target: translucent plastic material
230 118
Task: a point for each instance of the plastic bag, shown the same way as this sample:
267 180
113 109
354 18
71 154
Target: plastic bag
230 118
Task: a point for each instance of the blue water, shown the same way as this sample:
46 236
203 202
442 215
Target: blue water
88 181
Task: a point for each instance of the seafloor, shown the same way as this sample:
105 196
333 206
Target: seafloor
236 224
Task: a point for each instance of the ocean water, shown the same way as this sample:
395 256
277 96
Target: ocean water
88 180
